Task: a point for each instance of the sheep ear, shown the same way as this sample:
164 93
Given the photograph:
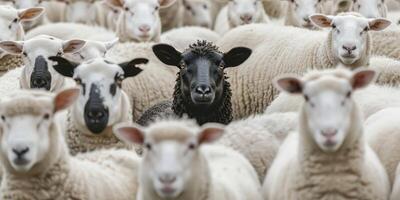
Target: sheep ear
65 98
63 66
30 14
210 132
166 3
362 78
323 21
129 133
73 46
378 24
236 56
111 43
167 54
115 3
130 68
289 84
12 47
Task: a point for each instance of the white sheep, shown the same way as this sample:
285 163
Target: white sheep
299 11
36 161
198 13
101 104
11 21
139 20
38 71
178 163
181 38
383 136
328 157
259 137
154 85
171 16
240 12
370 8
298 50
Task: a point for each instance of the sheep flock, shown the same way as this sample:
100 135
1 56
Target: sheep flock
200 99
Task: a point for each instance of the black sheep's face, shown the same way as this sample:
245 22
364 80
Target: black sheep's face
201 68
202 77
100 83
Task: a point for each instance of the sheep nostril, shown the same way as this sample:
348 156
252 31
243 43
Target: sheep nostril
20 151
203 90
329 133
167 179
144 28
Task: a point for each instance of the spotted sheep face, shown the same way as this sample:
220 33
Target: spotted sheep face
100 83
241 12
303 9
329 107
197 13
201 69
38 71
349 34
11 20
170 156
27 133
370 8
140 19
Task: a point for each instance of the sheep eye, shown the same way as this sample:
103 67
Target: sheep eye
205 6
78 81
348 95
148 146
192 146
59 53
15 20
46 116
24 53
156 8
188 8
306 98
366 28
333 26
3 118
126 9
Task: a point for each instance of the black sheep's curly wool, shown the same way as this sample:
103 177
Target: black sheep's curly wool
219 111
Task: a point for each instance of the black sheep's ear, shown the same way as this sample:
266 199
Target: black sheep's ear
236 56
130 68
64 66
167 54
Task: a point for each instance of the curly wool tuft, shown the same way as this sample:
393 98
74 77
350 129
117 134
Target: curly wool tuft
202 48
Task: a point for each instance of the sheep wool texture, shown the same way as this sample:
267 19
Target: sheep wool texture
153 85
386 43
280 50
388 70
9 62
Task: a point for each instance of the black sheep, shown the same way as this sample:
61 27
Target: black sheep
201 91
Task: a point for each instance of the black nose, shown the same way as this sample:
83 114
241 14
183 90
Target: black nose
39 83
203 89
96 114
349 48
20 151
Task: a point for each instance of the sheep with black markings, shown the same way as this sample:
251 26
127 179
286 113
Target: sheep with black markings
35 158
348 42
11 21
328 157
180 163
37 71
202 91
101 104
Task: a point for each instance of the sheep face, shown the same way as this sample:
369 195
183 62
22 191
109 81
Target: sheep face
302 10
198 13
80 12
10 22
27 127
201 69
38 71
140 19
329 108
349 34
370 8
100 83
92 49
172 157
242 12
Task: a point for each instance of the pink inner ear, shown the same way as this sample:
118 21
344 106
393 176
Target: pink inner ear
362 79
132 134
210 135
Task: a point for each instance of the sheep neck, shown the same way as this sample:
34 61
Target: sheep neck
320 172
197 188
47 177
220 111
